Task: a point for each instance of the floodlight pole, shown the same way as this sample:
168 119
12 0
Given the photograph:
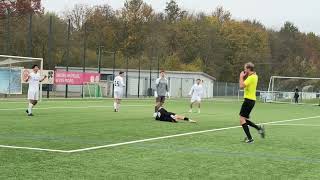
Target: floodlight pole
8 47
9 90
99 58
49 51
127 76
139 74
150 76
30 36
41 66
68 53
113 71
84 55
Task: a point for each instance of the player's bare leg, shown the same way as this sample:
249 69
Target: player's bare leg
118 104
199 105
184 118
157 106
32 103
161 104
115 102
191 106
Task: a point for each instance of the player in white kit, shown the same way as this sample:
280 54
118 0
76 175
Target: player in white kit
118 90
34 79
196 93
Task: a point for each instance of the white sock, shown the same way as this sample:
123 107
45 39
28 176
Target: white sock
30 108
115 105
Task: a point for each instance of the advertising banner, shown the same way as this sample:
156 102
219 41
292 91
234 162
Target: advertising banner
75 78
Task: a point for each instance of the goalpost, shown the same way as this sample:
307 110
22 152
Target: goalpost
12 71
282 89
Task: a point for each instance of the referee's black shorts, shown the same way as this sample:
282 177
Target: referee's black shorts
247 107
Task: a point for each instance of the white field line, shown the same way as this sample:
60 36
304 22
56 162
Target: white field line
75 100
71 107
70 100
31 148
149 139
183 134
304 125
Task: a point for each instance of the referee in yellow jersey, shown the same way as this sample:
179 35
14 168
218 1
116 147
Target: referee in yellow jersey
248 81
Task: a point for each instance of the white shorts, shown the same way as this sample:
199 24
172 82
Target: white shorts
118 94
33 95
195 99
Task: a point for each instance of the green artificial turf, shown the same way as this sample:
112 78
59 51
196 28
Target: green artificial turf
290 150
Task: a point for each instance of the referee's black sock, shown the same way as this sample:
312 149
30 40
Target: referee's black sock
186 119
246 130
252 124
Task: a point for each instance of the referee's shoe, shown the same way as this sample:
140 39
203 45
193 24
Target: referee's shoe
248 141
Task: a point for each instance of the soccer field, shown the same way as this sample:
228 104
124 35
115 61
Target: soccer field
85 139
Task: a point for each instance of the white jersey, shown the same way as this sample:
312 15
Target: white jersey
34 81
196 90
118 84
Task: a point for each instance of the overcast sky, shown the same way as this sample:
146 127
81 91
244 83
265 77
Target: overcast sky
272 13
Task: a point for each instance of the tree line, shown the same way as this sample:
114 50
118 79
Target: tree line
214 43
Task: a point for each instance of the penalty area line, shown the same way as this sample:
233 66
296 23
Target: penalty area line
149 139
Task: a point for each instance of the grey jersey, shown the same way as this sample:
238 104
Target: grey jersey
162 86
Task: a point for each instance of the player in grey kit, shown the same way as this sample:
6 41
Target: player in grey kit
162 90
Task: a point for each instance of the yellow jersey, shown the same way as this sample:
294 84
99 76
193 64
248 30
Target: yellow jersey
251 87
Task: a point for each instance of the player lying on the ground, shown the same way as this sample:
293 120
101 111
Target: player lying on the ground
34 79
196 94
164 115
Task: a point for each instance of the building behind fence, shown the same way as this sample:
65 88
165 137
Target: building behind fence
180 83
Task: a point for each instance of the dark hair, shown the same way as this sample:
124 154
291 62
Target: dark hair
250 66
198 79
35 66
121 72
162 71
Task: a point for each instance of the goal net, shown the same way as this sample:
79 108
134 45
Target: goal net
12 71
96 89
283 89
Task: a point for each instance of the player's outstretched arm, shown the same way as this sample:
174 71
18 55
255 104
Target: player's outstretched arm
191 90
43 78
26 79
